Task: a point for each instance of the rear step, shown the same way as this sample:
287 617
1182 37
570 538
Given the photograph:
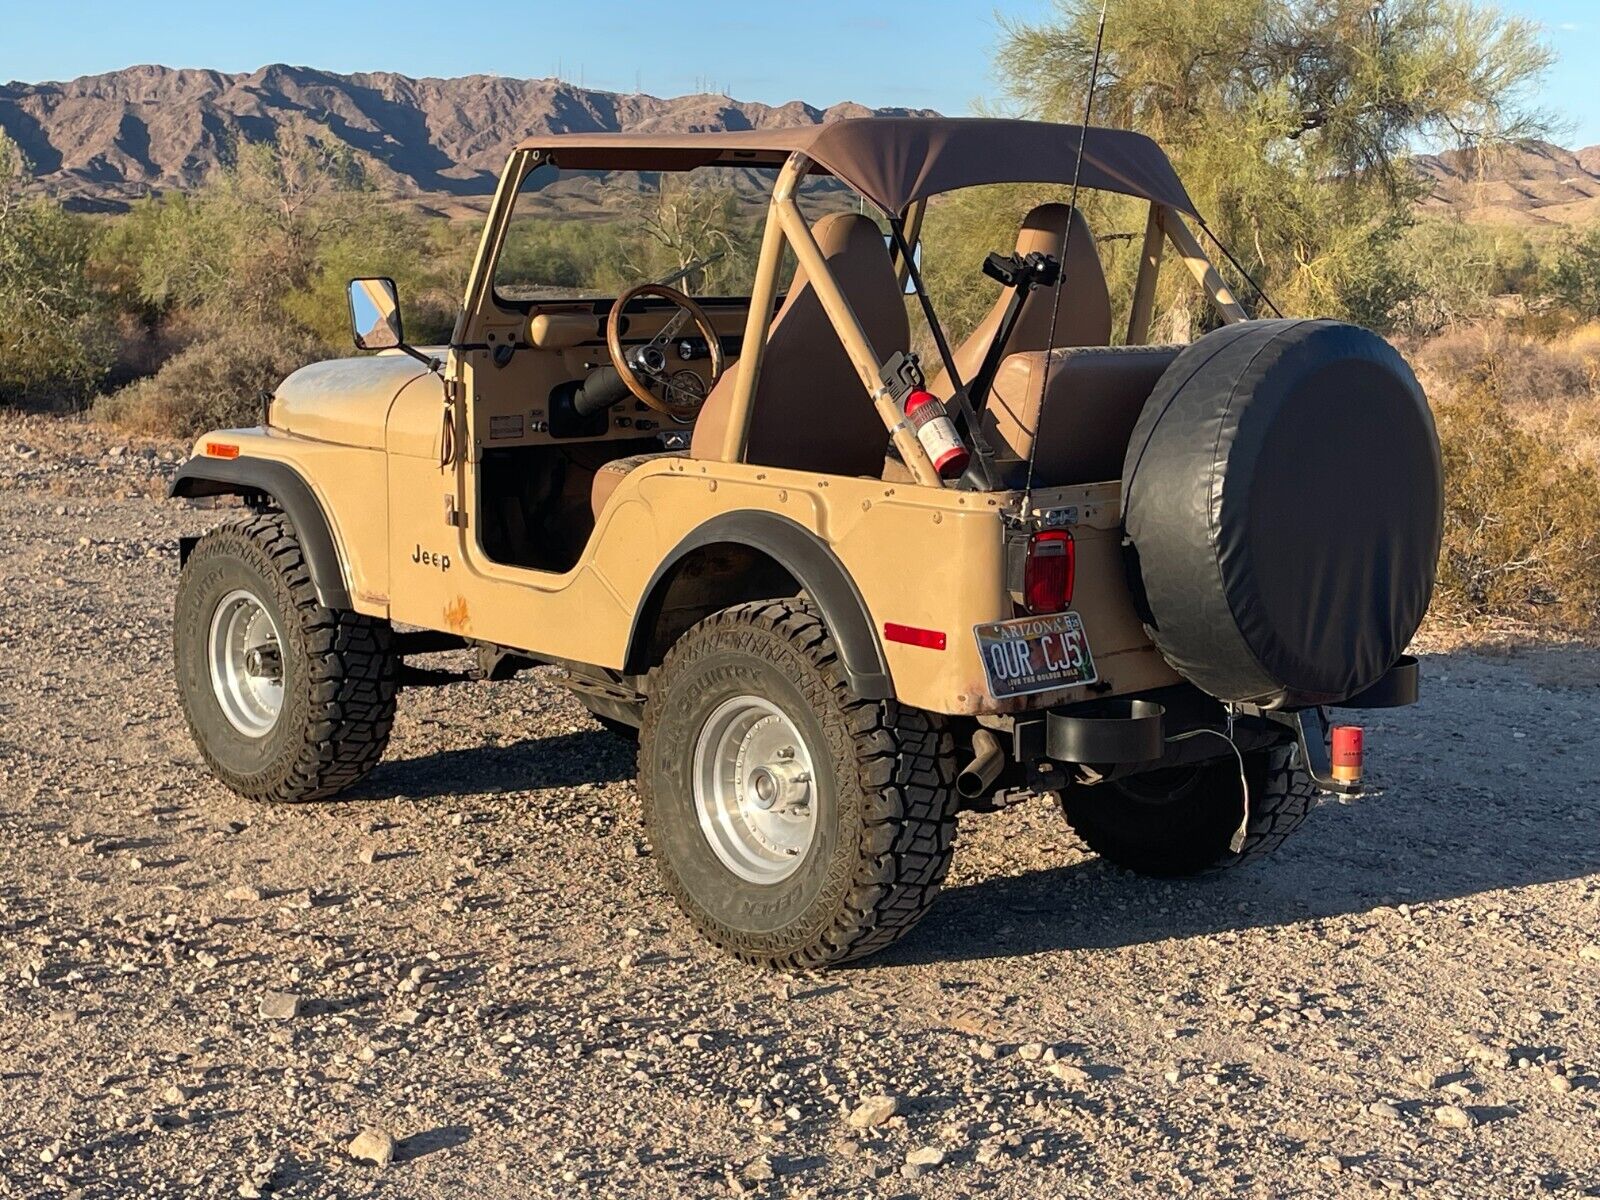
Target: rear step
603 692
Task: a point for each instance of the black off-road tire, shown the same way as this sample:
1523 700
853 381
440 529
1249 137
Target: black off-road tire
884 793
339 669
1180 821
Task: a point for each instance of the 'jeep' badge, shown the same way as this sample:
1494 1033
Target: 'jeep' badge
429 558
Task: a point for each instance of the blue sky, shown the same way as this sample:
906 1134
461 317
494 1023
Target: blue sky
931 53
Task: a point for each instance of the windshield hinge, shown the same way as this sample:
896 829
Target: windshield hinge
453 516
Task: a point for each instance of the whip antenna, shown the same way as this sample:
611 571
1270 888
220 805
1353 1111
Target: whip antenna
1066 243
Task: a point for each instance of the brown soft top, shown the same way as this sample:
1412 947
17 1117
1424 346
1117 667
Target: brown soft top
895 160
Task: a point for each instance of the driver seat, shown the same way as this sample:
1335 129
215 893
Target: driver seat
810 411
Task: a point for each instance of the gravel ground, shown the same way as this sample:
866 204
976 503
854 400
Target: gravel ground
471 959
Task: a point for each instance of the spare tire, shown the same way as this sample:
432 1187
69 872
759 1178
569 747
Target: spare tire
1283 504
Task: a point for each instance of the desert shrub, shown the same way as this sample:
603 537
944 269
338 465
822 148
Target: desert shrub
1584 343
271 238
261 252
1522 518
54 343
1574 280
1523 372
381 242
1455 271
213 383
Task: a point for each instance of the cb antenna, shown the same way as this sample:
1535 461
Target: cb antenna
1066 243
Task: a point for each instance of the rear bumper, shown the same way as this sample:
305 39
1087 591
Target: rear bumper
1174 726
1401 686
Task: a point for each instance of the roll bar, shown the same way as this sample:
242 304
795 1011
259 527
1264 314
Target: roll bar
787 225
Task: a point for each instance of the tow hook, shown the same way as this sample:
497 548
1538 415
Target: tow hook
1339 772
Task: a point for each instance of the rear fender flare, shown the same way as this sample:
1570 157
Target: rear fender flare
812 564
260 477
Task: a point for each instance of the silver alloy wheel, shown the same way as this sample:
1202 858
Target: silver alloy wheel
755 790
246 658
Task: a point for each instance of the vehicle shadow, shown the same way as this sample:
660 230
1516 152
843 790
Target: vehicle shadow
591 756
1468 811
1339 867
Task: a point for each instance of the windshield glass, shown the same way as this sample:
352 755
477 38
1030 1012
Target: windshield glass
581 235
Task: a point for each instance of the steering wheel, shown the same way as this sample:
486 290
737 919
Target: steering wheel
644 368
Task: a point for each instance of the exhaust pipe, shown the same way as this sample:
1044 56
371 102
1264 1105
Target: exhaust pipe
978 776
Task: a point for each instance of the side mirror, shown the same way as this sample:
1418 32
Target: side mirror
375 314
906 286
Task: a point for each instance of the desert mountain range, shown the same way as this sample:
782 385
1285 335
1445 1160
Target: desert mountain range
101 141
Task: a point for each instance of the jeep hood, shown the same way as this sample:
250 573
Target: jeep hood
344 400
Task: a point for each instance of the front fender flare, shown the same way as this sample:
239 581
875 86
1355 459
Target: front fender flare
820 575
261 477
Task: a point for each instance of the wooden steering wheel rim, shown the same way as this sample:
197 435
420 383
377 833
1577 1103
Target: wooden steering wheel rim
620 362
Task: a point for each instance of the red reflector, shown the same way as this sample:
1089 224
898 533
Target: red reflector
1050 571
221 450
928 639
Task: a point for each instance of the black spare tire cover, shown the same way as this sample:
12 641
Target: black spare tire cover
1283 504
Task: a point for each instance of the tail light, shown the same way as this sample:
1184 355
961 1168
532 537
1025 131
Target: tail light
1049 572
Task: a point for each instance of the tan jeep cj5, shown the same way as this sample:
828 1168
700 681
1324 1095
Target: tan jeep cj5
837 597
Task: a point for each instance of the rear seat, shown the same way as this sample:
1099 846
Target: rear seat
1096 394
614 472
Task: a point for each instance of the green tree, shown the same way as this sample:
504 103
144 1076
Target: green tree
1291 121
52 344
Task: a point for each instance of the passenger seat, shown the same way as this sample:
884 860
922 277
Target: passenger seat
1084 318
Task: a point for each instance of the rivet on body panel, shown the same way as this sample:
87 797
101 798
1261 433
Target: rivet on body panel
866 504
783 497
938 518
713 484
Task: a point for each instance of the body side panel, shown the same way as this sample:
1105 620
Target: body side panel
918 556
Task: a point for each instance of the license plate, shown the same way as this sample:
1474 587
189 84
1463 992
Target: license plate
1035 654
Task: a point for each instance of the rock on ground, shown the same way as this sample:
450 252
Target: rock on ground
373 1146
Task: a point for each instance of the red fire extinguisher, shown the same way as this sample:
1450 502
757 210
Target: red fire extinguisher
937 433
